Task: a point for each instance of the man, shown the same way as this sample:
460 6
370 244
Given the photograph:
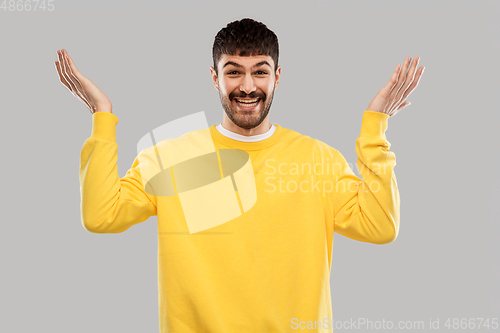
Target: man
267 268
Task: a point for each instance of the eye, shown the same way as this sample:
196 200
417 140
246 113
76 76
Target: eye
258 73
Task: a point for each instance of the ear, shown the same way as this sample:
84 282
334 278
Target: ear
278 74
214 77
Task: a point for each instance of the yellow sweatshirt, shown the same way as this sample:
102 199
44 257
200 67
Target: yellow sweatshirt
250 251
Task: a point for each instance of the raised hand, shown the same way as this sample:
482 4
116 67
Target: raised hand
392 98
80 86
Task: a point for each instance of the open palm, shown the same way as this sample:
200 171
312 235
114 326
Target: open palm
80 86
392 98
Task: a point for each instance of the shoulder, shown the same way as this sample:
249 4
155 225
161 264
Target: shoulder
173 150
295 138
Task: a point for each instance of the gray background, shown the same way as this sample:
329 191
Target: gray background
152 60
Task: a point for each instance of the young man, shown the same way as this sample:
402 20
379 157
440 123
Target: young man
266 267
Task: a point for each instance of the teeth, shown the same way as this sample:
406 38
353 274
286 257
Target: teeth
247 101
247 104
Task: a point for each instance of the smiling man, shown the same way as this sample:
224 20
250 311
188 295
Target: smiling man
246 90
267 268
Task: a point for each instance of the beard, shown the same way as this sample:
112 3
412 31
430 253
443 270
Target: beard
247 119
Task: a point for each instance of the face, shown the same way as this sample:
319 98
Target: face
247 78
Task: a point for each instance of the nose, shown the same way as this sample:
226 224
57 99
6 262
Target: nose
248 85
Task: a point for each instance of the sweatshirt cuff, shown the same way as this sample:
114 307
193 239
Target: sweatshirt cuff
104 126
374 124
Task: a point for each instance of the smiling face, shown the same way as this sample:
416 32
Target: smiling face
246 89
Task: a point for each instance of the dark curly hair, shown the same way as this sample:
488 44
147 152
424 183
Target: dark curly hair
247 37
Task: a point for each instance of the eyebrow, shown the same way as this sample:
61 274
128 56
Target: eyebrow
239 66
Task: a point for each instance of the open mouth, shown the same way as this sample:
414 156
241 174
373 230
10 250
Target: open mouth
247 103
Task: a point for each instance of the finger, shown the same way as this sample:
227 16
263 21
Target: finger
70 62
67 71
401 80
75 74
398 84
65 80
73 70
402 106
394 78
402 73
76 86
392 82
61 76
414 84
64 70
410 78
65 83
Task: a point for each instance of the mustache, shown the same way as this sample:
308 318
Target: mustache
248 96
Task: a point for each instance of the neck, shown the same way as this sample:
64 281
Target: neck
261 129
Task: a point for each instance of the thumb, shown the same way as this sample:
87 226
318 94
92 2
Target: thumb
404 104
401 107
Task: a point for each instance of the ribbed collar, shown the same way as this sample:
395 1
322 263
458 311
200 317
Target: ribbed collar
217 136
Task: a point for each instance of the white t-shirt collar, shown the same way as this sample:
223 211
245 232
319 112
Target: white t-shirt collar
251 138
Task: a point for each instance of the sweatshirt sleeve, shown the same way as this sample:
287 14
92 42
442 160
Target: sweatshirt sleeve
368 209
110 204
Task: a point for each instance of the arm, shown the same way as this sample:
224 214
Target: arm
367 209
110 204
